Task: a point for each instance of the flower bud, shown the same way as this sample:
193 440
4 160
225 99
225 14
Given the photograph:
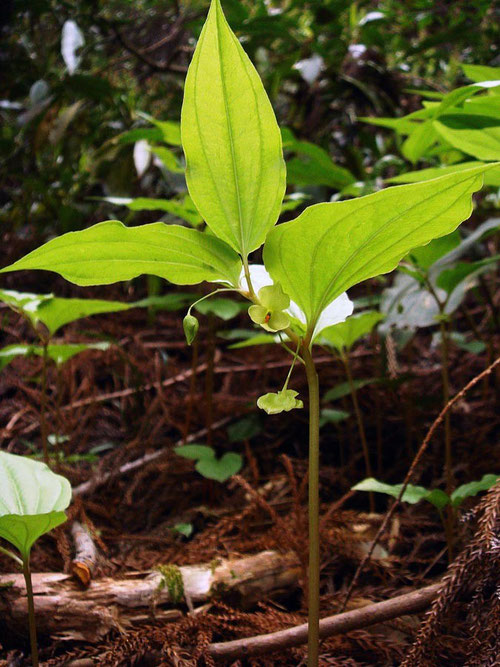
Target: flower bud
191 326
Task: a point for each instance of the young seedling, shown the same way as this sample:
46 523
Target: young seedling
32 503
208 465
440 499
236 178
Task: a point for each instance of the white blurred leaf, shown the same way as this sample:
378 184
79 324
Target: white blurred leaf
142 156
310 68
71 40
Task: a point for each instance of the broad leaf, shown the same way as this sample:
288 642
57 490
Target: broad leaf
474 135
472 489
63 352
32 500
194 452
331 247
226 309
342 336
56 312
235 170
7 354
491 177
185 209
413 494
481 72
110 252
344 389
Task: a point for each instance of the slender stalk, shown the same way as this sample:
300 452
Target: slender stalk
12 555
361 426
314 554
43 404
31 612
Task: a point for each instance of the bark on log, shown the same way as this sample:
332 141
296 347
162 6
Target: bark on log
66 611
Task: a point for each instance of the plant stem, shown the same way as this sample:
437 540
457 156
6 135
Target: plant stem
31 612
361 426
43 404
314 554
12 555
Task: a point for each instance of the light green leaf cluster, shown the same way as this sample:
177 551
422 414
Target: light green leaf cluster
32 500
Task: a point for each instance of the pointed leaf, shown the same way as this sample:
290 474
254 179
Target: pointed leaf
110 252
235 170
332 246
345 334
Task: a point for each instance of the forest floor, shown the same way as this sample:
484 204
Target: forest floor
102 400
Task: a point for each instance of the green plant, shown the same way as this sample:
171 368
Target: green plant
32 503
236 177
208 465
438 498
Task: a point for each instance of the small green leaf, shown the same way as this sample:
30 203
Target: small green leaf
344 335
194 452
344 389
7 354
474 135
32 500
191 326
109 252
473 488
235 169
331 247
220 469
491 177
226 309
281 401
244 429
329 416
185 529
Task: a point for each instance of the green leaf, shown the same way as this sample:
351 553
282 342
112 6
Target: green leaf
330 416
56 312
32 500
425 256
220 469
331 247
344 389
491 177
472 346
449 279
194 452
26 303
412 495
226 309
313 165
344 334
185 529
63 352
419 141
110 252
256 339
244 429
478 73
474 135
185 209
235 169
472 489
7 354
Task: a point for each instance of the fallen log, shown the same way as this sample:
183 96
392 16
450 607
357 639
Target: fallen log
379 612
65 610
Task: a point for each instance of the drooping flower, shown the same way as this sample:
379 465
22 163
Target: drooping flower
336 311
281 401
269 313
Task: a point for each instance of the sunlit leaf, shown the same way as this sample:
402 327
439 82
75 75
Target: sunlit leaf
235 170
110 252
344 335
332 246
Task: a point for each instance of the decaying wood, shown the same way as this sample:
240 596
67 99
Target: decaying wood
410 603
66 610
86 554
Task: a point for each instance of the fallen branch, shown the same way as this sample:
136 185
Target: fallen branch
66 611
410 603
95 482
86 554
